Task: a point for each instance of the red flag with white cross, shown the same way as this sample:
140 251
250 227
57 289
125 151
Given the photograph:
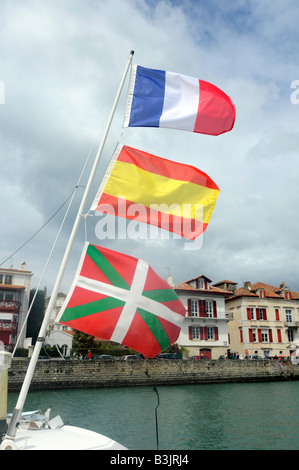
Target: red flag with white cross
120 298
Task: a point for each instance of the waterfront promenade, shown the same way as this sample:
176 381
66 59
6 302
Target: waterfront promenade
74 374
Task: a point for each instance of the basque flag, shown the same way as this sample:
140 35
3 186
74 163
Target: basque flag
120 298
157 98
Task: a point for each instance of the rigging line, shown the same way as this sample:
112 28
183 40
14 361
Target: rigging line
29 239
55 213
156 416
49 257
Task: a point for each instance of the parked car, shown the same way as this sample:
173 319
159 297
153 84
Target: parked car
200 358
107 357
166 356
254 357
130 357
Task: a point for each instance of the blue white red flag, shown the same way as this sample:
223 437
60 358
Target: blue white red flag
157 98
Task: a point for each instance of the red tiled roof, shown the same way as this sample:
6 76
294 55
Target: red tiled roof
11 286
225 281
270 291
184 286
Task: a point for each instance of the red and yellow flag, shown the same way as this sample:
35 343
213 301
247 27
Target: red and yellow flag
170 195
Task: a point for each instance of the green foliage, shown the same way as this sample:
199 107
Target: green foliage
82 340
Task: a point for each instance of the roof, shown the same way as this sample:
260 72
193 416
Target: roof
11 286
225 281
270 291
185 287
13 270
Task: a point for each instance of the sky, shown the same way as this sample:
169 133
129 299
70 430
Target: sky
61 63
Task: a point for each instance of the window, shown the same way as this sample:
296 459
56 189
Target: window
209 308
7 295
252 335
194 308
203 333
261 314
1 278
264 335
290 333
195 332
210 333
288 315
8 279
251 313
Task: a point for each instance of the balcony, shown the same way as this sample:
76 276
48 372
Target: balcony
12 306
220 316
8 326
291 324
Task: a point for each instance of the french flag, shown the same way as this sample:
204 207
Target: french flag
157 98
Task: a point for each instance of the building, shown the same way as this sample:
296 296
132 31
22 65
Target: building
205 327
265 319
58 334
14 299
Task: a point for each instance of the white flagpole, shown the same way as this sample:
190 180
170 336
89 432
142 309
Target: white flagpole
12 429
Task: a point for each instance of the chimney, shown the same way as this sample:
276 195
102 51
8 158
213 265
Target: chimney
247 285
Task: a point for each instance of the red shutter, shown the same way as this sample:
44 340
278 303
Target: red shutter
259 332
214 309
277 313
206 284
205 332
250 335
190 332
290 295
189 307
270 336
248 314
279 336
201 332
265 314
216 333
202 308
257 314
241 336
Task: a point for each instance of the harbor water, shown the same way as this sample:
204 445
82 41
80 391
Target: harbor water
236 416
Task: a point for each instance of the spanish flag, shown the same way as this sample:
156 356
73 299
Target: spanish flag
146 188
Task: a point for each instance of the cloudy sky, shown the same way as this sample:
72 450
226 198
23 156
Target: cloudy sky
61 65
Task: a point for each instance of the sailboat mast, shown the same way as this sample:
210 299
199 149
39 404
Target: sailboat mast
12 429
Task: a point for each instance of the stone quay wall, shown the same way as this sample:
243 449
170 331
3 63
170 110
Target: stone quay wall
60 374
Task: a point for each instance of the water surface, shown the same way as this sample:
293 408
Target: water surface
254 416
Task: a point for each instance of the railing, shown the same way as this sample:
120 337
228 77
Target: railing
8 326
291 324
10 305
220 316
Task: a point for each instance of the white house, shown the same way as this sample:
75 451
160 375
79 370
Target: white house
205 327
62 339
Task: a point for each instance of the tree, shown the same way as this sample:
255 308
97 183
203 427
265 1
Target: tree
82 340
36 315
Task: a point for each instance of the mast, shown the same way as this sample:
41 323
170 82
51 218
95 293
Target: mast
12 429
